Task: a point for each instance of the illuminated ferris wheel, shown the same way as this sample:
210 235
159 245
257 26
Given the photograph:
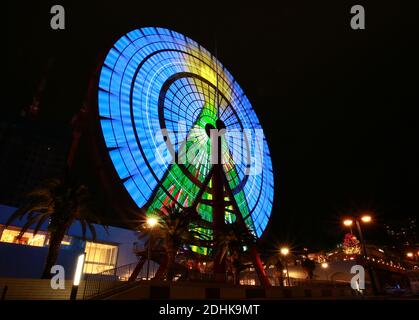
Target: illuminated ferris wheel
160 93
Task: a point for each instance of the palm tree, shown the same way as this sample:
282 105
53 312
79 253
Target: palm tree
229 245
58 202
275 260
177 227
309 266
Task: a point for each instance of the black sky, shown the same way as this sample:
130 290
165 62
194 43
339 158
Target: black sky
338 105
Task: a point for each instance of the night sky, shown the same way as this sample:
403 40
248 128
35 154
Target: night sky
337 105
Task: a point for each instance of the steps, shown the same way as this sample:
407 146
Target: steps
36 289
155 289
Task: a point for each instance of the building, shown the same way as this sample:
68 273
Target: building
393 270
25 257
402 232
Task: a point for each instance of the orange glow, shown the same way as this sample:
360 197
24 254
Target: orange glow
409 254
366 218
284 251
151 222
347 222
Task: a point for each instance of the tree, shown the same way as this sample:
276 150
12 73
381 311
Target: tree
275 260
177 227
58 202
309 266
351 244
230 243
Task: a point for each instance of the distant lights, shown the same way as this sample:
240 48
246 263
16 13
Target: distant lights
409 254
325 265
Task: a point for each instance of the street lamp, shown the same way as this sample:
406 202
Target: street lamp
365 219
347 222
409 254
151 223
77 276
285 251
325 265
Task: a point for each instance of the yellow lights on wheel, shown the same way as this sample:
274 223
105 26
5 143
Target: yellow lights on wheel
79 270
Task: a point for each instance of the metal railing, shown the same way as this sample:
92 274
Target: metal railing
113 279
251 279
3 292
109 280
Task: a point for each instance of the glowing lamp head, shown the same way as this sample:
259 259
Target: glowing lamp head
151 222
285 251
409 254
347 222
325 265
366 218
79 270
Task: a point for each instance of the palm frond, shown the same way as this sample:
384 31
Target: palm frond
92 230
43 217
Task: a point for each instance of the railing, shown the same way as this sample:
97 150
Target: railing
251 279
3 292
108 280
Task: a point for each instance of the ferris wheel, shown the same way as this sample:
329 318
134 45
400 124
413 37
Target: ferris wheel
160 93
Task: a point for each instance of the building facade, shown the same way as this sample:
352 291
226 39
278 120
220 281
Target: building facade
25 257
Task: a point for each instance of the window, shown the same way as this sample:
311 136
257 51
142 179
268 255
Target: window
99 257
65 242
28 238
41 239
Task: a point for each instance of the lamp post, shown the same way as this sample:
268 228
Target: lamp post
77 276
151 222
363 219
285 251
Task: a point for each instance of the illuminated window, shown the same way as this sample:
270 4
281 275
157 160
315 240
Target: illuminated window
65 242
11 236
248 282
99 257
41 239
